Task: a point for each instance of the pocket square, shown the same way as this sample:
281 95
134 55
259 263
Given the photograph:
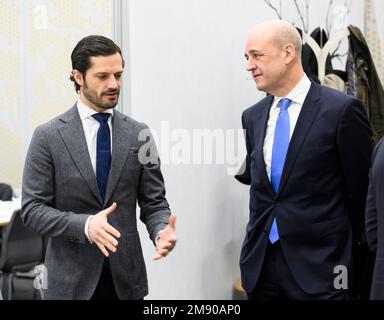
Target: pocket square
134 150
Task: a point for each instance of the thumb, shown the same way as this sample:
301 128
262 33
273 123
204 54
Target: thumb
172 221
109 210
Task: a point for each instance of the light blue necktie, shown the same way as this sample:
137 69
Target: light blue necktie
279 151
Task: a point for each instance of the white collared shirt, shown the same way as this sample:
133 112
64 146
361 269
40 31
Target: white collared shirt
90 127
297 95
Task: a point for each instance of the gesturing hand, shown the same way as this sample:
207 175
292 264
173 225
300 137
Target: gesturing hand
167 239
102 233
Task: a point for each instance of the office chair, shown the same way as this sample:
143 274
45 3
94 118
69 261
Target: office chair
21 252
6 192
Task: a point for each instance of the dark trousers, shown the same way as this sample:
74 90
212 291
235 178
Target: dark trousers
276 281
105 289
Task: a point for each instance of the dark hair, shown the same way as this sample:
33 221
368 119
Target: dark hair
91 46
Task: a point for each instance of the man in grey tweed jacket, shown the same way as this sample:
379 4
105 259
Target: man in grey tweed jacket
94 249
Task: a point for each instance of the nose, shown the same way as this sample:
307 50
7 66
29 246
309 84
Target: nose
251 65
113 83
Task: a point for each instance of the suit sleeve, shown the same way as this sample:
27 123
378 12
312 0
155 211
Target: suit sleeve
355 149
154 208
371 218
244 173
371 209
37 208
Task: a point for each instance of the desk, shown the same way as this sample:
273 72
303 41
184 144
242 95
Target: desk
7 208
238 291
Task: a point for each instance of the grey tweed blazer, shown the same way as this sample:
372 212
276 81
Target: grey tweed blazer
60 191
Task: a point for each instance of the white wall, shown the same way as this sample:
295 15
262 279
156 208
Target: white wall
186 65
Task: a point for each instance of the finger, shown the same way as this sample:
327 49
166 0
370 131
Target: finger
109 210
167 239
166 246
111 230
172 240
157 257
110 246
160 254
102 249
107 241
172 221
107 237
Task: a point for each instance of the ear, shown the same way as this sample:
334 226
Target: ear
78 76
289 52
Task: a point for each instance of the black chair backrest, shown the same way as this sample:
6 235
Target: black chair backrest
21 248
5 192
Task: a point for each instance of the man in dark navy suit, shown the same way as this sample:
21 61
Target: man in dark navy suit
309 149
375 220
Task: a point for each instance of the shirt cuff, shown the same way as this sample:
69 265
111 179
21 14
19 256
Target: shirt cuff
86 228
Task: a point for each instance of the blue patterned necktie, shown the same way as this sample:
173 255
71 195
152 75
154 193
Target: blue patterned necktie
103 153
279 151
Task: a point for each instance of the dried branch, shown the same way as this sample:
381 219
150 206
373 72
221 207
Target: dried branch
334 52
336 55
348 6
269 3
339 56
327 18
307 11
305 27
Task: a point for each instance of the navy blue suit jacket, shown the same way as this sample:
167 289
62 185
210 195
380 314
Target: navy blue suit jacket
322 192
375 220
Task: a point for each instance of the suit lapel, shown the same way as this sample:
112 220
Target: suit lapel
304 123
260 131
121 140
72 133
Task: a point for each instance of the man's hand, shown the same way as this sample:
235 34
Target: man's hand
102 233
167 239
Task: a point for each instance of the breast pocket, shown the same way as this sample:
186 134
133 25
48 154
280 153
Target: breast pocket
133 156
132 159
317 159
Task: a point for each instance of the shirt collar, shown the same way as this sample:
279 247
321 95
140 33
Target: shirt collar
299 92
86 112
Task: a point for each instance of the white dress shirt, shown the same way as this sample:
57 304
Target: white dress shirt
90 127
297 95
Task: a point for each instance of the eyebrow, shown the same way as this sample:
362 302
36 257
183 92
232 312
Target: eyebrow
106 73
255 51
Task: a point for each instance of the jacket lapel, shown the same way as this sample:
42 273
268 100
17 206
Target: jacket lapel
72 133
304 123
121 140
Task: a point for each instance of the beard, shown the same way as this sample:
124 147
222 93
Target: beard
97 100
